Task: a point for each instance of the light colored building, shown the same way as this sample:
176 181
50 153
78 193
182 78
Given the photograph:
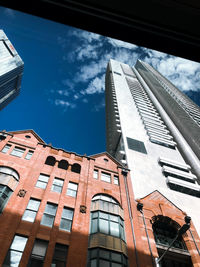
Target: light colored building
11 70
154 129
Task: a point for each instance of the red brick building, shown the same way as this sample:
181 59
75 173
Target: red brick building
58 208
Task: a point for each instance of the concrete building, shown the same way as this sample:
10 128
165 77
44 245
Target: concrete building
61 209
154 129
11 70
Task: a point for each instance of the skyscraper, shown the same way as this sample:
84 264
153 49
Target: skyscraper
11 70
154 129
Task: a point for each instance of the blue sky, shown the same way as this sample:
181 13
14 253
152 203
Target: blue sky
62 93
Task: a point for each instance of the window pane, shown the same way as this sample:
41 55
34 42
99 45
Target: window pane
105 177
116 180
116 265
56 188
33 204
29 216
71 193
104 263
114 218
18 152
103 226
116 257
67 213
43 178
104 254
47 220
51 209
93 253
72 186
94 226
6 148
95 174
65 224
41 185
29 154
58 182
40 247
95 215
19 243
12 259
114 229
93 263
103 215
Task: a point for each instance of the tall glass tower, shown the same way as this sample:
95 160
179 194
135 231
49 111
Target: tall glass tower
11 70
154 129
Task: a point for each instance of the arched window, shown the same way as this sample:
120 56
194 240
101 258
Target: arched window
63 164
76 168
165 231
50 161
8 182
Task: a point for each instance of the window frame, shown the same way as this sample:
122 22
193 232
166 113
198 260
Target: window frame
41 181
70 191
47 214
54 185
34 211
17 150
65 218
37 257
29 154
106 174
19 250
60 248
7 148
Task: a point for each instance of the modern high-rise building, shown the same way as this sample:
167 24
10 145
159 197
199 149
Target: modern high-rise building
154 129
11 70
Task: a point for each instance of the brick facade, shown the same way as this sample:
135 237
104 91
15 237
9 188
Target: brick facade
72 168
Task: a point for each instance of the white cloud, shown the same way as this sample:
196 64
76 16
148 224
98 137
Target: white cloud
65 104
88 36
183 73
95 86
63 92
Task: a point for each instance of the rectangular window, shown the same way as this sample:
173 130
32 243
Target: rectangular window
116 180
60 255
6 148
57 185
136 145
38 253
95 174
42 181
49 214
66 219
72 189
29 154
15 252
18 152
31 210
106 177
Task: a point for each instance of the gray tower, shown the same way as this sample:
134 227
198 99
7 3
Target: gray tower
154 129
11 70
